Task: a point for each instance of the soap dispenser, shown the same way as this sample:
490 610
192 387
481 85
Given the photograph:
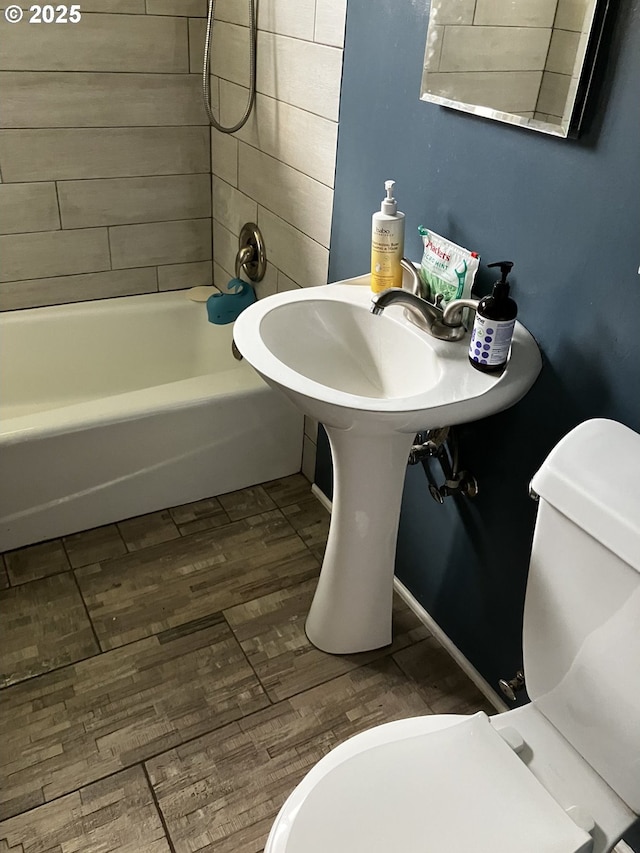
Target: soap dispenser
387 243
493 325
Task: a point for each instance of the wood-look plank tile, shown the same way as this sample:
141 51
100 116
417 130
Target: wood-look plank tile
246 502
199 515
271 632
94 546
36 561
44 626
146 530
79 724
191 577
115 815
4 577
288 490
311 521
447 689
222 792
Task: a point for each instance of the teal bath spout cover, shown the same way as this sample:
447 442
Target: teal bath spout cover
223 308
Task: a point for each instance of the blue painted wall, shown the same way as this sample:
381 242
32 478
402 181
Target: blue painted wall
568 213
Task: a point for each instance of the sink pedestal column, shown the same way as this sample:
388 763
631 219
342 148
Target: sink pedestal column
351 609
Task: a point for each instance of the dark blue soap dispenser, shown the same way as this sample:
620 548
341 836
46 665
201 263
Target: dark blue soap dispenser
493 325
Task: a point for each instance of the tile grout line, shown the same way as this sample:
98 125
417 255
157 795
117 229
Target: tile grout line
156 803
89 619
271 701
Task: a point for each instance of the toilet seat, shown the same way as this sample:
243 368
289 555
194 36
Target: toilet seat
458 786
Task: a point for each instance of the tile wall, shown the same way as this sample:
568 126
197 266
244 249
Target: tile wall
517 57
104 154
489 52
278 170
564 60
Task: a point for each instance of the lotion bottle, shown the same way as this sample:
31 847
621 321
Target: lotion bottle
387 243
493 325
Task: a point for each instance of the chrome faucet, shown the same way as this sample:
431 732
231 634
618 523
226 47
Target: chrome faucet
446 325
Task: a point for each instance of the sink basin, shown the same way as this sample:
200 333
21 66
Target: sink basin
373 381
345 366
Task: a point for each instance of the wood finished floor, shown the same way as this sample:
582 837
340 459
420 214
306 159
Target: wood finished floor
158 690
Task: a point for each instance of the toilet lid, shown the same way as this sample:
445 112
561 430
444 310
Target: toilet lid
458 789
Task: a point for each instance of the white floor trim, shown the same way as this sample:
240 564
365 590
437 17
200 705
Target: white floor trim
448 645
434 629
320 495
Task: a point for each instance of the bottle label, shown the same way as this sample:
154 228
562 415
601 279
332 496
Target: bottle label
490 340
386 253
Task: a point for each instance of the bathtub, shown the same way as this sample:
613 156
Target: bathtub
119 407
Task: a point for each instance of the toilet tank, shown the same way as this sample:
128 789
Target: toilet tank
582 609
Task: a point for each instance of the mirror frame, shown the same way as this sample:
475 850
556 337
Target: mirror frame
575 124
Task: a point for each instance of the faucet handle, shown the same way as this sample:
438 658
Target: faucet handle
418 286
452 314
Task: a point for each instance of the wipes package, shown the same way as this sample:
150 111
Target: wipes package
447 269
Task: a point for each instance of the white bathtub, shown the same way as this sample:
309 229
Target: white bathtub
118 407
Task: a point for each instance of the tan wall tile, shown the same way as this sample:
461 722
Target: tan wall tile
553 93
233 12
224 156
125 7
51 253
76 288
515 13
284 131
298 256
229 58
128 7
97 43
511 91
330 21
28 207
231 207
293 18
116 201
90 99
563 50
197 31
181 276
160 243
41 155
285 283
225 249
177 7
494 48
571 14
299 200
303 74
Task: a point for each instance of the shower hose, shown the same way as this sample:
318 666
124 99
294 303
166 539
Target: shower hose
206 90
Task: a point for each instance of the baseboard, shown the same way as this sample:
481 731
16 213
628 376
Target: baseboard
434 629
317 492
449 646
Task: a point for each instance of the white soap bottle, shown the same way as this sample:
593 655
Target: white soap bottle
387 243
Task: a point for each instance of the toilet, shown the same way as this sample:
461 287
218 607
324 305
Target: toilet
558 775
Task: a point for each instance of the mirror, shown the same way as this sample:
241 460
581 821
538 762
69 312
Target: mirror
526 62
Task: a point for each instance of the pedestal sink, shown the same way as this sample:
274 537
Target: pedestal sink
373 382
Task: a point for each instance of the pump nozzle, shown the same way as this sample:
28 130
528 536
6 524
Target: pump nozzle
389 204
505 269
